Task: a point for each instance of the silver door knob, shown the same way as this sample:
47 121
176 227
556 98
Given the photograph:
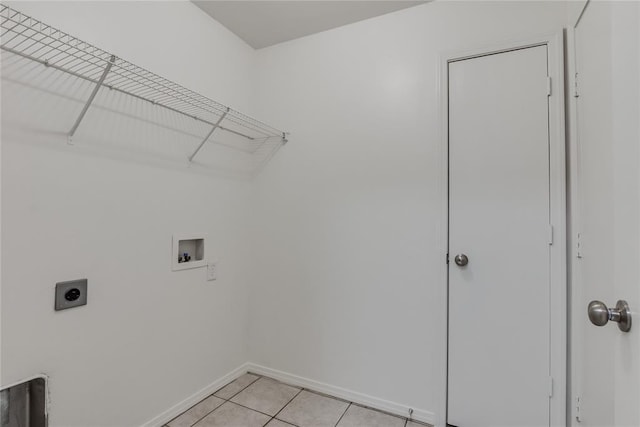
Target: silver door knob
461 260
600 315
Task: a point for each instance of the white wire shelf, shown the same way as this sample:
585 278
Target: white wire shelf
28 38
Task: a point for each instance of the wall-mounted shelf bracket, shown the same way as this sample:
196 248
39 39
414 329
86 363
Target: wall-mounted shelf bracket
206 138
73 130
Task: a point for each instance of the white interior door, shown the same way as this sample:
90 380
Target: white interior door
606 213
499 217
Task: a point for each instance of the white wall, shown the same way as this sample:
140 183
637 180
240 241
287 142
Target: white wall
348 287
148 337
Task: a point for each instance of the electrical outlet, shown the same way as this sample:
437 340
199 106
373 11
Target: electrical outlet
70 294
212 271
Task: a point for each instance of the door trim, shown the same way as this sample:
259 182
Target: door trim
558 215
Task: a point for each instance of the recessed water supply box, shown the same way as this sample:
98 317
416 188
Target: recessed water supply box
188 251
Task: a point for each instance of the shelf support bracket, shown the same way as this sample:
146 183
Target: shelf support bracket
206 138
73 130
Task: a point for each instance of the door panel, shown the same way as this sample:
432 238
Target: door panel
499 217
606 361
596 203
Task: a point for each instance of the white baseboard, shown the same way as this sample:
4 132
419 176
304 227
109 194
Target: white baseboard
180 407
352 396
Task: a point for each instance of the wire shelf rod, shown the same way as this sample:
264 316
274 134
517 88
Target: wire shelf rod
91 98
208 135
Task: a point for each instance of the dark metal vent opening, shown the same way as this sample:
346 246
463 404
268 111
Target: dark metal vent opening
24 404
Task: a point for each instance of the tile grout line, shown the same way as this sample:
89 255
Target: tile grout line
251 409
382 412
345 411
240 391
271 417
214 395
287 404
260 412
329 396
208 413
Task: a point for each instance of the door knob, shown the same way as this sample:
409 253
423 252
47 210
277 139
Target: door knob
599 314
461 260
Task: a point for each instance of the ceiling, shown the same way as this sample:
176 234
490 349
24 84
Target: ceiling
265 23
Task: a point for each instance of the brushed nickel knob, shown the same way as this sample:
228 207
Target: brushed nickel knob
600 315
461 260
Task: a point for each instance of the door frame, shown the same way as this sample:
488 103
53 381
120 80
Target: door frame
558 214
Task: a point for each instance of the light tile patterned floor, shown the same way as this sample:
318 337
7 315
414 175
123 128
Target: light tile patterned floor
256 401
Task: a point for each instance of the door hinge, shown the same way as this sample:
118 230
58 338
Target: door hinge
447 259
578 403
550 234
548 86
579 246
550 386
575 86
